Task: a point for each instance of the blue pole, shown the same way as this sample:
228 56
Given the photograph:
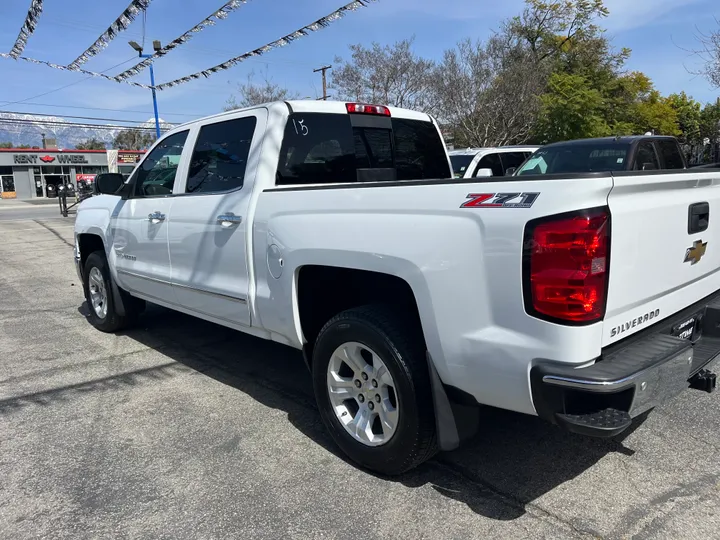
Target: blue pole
155 107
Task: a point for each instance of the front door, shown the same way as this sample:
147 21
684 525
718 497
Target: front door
140 237
209 222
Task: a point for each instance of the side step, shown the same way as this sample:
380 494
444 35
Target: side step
606 423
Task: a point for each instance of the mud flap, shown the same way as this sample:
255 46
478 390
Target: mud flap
447 430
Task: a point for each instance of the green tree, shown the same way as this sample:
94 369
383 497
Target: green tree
24 146
689 114
90 144
133 139
570 109
6 145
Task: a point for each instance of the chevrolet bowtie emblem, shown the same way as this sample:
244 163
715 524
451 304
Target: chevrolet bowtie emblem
696 252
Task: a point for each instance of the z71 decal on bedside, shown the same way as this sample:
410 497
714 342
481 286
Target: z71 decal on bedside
500 200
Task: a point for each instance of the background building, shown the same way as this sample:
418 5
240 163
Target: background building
30 174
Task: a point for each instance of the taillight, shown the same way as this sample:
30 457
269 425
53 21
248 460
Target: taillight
565 269
363 108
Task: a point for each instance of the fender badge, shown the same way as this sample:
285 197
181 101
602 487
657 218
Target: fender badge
696 252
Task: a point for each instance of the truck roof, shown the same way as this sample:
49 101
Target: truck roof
472 151
599 141
316 106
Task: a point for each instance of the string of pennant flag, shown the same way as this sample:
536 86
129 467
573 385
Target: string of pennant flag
220 14
127 17
28 28
121 23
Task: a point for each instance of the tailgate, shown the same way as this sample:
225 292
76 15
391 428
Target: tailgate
665 248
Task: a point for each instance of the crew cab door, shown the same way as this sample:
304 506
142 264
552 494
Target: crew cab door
665 244
140 227
209 224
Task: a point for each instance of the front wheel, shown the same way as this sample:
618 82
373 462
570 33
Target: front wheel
372 386
99 296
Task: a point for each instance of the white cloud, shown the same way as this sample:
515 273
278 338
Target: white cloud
628 14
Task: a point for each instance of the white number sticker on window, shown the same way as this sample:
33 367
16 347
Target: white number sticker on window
300 127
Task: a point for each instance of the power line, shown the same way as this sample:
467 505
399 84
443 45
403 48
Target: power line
68 116
42 123
105 109
67 85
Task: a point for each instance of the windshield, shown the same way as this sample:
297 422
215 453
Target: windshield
576 158
460 163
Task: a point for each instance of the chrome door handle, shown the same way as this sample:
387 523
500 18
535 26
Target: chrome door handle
229 219
156 217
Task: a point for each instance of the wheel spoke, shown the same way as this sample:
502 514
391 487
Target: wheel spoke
340 388
388 417
383 376
351 356
360 424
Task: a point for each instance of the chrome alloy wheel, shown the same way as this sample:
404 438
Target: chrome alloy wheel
98 293
362 394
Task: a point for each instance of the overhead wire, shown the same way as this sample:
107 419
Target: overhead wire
194 115
68 116
43 123
68 85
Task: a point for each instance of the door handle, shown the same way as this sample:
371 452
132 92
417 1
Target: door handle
156 217
229 219
698 217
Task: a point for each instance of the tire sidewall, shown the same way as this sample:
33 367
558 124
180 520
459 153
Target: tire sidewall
98 260
393 454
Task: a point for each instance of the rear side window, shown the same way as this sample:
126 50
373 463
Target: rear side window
512 159
490 161
671 156
320 148
646 158
220 157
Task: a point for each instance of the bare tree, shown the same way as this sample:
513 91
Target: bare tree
390 75
251 94
488 92
709 54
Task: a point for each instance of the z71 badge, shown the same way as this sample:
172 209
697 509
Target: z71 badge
500 200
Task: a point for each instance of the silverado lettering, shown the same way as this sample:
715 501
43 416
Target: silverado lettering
634 322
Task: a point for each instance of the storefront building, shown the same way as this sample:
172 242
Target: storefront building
31 174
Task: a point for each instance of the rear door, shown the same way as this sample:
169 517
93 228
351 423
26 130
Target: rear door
209 223
665 244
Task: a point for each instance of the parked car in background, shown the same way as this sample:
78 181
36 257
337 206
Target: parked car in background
484 162
608 154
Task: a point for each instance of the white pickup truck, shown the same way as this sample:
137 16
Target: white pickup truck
586 298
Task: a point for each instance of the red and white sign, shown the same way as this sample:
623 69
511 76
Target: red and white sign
85 177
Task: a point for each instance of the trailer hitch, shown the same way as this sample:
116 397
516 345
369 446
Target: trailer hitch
704 380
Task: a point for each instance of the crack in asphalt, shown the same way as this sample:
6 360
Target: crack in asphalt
49 228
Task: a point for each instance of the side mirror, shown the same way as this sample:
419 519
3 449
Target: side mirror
108 183
483 173
510 171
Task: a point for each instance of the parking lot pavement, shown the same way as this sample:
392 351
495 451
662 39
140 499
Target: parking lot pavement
183 429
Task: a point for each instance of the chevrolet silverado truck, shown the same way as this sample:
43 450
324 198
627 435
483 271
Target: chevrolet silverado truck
585 298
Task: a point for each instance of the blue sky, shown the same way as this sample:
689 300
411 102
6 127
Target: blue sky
656 31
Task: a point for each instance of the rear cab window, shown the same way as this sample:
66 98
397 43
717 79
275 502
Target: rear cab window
325 148
577 158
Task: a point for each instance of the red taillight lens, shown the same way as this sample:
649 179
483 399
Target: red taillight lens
566 266
363 108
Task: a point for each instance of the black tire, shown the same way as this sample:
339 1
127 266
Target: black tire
111 322
399 344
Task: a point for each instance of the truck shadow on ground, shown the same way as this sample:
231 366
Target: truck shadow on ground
511 462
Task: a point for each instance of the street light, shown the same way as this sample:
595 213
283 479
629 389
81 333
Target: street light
156 46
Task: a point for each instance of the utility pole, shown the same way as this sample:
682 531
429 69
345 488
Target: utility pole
323 69
156 47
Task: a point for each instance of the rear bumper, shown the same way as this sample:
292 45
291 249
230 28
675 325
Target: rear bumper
630 377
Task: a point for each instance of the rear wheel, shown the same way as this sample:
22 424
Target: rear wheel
101 303
373 390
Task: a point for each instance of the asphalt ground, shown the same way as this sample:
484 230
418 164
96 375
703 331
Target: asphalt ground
183 429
